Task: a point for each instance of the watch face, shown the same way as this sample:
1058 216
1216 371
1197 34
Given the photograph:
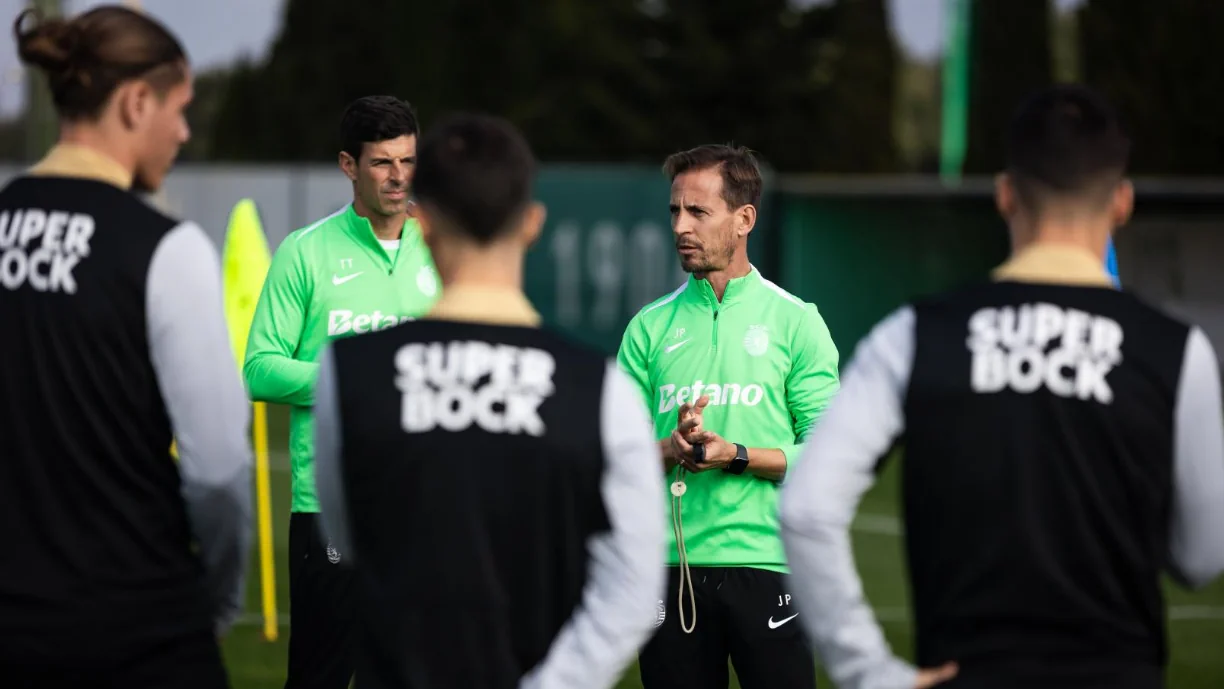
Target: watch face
740 463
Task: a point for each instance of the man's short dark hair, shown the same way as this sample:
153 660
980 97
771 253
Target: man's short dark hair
477 172
741 175
1067 142
372 119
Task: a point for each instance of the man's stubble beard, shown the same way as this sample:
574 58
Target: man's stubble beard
707 266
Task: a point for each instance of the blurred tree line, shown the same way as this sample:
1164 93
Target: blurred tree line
813 86
627 80
1155 61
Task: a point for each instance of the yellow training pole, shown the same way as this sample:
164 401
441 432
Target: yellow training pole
245 260
263 488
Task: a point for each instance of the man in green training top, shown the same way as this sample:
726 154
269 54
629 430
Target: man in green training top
735 370
360 269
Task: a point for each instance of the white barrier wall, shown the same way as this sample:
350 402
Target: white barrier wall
1171 261
287 197
1178 263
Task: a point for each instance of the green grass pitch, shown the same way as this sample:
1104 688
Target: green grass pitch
1196 620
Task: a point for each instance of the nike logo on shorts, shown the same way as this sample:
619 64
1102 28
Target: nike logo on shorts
779 623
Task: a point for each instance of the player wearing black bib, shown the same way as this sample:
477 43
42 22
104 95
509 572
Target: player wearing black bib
494 486
120 566
1063 447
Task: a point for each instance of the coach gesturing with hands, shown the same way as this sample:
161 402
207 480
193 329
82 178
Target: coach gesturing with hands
734 362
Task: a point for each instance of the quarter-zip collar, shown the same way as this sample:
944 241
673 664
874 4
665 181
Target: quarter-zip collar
362 232
703 292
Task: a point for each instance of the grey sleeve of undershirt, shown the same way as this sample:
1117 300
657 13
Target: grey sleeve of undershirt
1196 539
333 511
626 573
819 502
189 345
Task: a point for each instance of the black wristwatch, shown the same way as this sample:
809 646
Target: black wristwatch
740 463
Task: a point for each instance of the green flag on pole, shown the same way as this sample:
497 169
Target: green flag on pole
954 132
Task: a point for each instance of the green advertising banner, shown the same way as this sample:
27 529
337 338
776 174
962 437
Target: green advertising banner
859 257
606 251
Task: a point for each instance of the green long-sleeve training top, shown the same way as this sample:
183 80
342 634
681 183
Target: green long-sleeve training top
331 279
766 360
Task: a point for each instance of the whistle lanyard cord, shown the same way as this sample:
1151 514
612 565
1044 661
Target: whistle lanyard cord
686 576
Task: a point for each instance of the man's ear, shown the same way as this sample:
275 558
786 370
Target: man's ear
1123 203
1005 195
533 224
745 220
134 101
348 166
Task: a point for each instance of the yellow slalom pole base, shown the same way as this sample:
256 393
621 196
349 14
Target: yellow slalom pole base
263 488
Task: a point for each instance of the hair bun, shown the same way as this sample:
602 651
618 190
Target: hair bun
54 44
86 57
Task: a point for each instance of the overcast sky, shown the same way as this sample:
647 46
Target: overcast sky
216 32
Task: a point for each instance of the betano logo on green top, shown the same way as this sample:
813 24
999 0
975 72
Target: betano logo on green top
719 394
344 322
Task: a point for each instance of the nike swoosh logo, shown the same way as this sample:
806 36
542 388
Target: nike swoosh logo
671 348
337 280
779 623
